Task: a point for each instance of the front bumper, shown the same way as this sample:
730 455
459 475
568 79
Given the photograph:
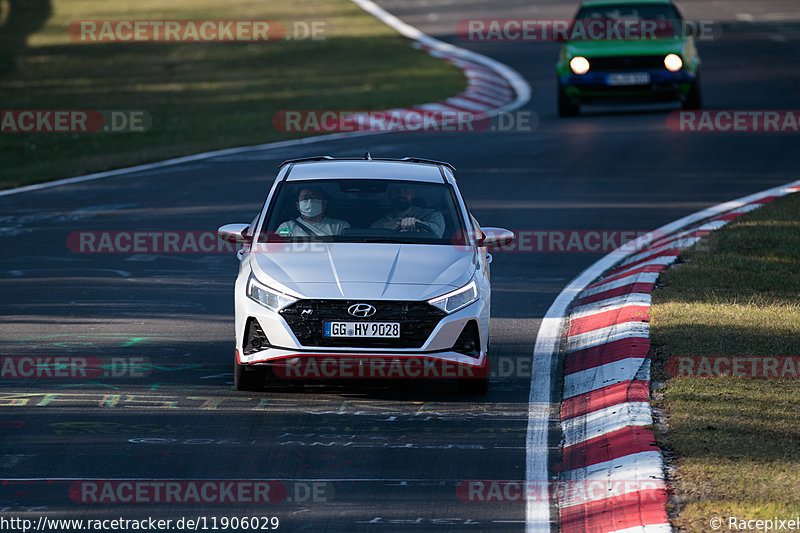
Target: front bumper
594 85
293 366
281 346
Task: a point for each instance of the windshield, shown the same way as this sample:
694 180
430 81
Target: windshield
652 21
364 210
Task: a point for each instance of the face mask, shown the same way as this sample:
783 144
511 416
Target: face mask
310 208
400 203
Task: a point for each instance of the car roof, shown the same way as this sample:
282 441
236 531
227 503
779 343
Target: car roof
592 3
430 172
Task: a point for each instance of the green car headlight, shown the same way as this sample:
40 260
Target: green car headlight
673 62
579 65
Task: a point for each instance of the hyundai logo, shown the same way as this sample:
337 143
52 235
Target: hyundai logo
361 310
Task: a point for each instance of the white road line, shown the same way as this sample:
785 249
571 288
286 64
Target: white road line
547 346
522 94
521 87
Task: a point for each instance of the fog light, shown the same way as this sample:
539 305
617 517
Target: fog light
468 343
254 337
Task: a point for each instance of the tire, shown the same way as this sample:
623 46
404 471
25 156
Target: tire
566 107
694 98
477 386
248 379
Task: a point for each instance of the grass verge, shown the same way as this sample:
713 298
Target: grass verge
736 440
200 96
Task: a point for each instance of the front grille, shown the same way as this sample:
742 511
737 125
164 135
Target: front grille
417 321
626 63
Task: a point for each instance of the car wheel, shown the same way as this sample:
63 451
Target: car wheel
247 379
474 386
566 107
694 99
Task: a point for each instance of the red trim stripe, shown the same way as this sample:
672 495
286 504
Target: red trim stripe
729 216
491 92
765 200
473 76
619 291
476 99
606 353
669 252
620 512
625 391
700 233
447 103
619 443
604 319
641 270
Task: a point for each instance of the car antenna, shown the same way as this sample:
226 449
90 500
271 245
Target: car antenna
367 156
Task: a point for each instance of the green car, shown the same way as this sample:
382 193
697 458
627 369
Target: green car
627 50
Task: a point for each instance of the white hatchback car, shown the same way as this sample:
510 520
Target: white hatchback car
363 268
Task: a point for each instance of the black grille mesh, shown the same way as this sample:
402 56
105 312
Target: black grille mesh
417 321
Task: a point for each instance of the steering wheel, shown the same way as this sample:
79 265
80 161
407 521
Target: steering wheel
419 226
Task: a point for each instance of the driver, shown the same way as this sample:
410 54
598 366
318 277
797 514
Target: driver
311 204
405 216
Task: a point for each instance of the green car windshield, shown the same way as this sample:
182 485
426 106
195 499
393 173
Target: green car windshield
663 20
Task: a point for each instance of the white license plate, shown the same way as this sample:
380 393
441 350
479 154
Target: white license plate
384 330
632 78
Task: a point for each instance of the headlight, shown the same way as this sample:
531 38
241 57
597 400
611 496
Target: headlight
269 298
579 65
459 298
673 62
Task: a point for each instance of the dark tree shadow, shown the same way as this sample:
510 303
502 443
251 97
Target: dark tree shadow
19 19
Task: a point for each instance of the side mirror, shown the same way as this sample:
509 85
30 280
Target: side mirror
234 233
496 237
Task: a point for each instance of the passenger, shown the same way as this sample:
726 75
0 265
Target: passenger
312 222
